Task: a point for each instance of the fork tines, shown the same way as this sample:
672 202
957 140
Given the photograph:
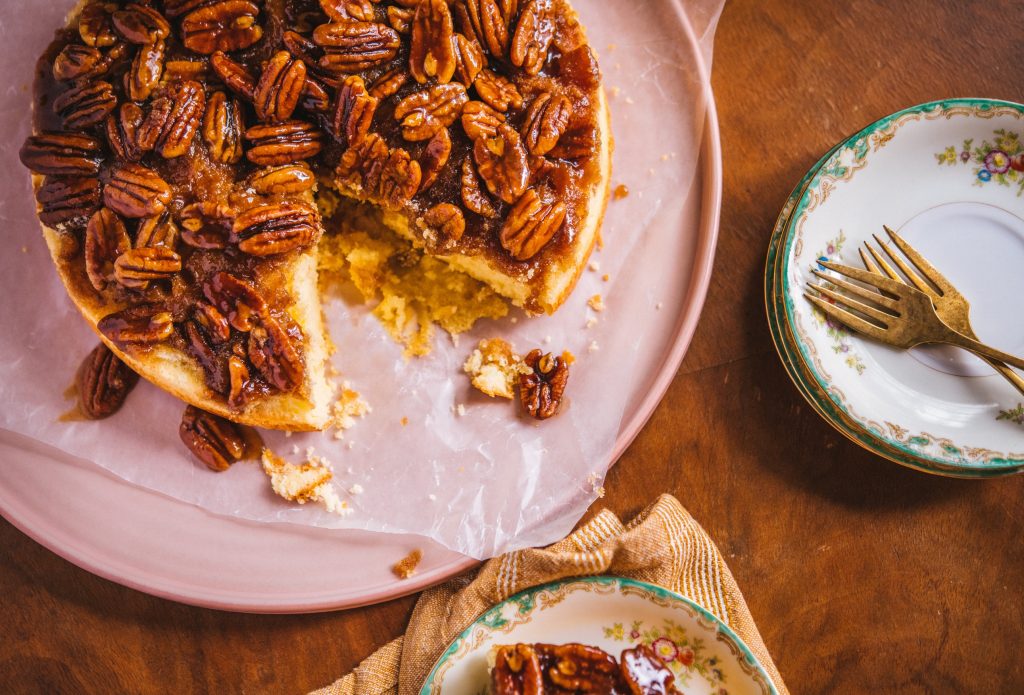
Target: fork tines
871 318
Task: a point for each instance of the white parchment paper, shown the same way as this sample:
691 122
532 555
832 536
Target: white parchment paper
481 483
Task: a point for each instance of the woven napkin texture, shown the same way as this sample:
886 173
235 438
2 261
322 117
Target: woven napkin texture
663 545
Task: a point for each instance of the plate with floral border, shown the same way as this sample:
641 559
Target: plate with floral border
949 176
613 614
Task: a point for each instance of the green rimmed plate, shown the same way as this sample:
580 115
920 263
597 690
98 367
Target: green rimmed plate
949 175
614 614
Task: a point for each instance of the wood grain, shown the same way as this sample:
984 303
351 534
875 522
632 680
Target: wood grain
863 576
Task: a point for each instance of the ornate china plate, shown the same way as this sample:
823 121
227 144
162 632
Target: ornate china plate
949 176
613 614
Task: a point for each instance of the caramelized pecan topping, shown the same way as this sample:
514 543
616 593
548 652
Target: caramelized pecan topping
238 376
486 22
234 76
435 158
213 440
144 74
272 351
541 390
399 179
61 154
502 163
432 51
400 19
103 382
95 24
355 46
447 220
122 130
214 324
207 224
342 10
135 268
159 230
473 196
644 671
105 239
353 111
86 105
480 120
275 228
426 112
236 300
76 60
143 324
140 24
222 128
174 118
283 143
469 60
280 87
546 120
497 91
533 35
389 83
227 25
136 191
282 180
64 199
531 224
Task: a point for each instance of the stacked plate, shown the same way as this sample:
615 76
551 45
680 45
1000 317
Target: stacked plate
949 177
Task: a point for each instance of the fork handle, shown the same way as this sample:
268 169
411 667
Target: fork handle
982 350
1007 373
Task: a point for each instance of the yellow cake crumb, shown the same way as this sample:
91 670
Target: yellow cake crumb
406 567
344 411
302 483
413 292
596 303
494 368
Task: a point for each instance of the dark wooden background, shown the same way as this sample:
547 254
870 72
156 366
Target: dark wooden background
863 577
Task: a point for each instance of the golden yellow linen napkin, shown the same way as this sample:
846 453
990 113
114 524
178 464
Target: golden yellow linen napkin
663 545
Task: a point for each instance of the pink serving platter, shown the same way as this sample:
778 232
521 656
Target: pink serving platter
171 549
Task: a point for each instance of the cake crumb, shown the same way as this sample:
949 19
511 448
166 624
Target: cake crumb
547 340
460 410
591 322
405 421
593 347
569 358
596 303
629 100
594 480
494 369
344 411
432 497
606 277
302 483
350 445
621 192
665 157
595 266
615 92
24 249
406 567
288 433
658 306
356 489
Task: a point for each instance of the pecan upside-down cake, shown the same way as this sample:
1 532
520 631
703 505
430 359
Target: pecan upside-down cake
570 669
177 147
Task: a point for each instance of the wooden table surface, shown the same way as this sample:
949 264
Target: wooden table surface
863 577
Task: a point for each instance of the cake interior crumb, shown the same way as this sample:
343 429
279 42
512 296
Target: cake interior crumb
494 369
406 567
305 482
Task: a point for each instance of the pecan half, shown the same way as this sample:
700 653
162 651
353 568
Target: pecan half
63 199
644 671
275 228
283 143
280 87
426 112
434 158
213 323
541 390
222 128
546 120
399 179
469 60
576 144
235 76
315 97
207 224
272 351
447 220
497 91
236 300
122 130
135 269
228 25
238 376
61 154
95 24
283 180
85 105
309 53
479 120
136 191
502 163
432 50
146 69
400 19
144 324
105 239
486 22
177 8
530 225
104 382
473 196
578 668
342 10
76 60
213 440
351 47
389 83
353 111
580 67
361 164
174 118
532 37
159 230
140 24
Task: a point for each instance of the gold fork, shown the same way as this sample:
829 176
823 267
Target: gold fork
906 317
951 306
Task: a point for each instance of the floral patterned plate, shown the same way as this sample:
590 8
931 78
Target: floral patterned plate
949 176
613 614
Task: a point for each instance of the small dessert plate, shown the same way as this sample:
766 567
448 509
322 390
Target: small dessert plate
612 614
949 177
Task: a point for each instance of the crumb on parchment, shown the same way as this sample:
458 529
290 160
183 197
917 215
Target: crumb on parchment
344 411
305 482
406 567
596 303
494 368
